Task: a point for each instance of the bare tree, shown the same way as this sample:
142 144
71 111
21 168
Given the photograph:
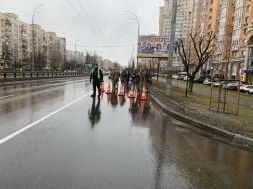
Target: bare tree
40 61
69 64
6 55
200 47
91 59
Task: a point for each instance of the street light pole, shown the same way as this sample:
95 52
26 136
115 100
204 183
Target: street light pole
34 12
75 50
137 20
170 56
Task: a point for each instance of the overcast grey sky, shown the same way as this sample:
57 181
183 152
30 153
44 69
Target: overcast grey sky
106 24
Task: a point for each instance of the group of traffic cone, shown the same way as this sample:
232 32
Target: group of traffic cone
121 92
143 93
109 91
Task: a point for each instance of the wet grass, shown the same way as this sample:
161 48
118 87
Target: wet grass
244 119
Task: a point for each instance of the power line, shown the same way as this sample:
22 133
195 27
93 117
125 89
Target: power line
80 16
91 27
99 30
154 16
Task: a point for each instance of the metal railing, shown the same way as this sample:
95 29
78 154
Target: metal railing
38 74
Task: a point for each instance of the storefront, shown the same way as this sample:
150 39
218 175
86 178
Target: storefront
249 76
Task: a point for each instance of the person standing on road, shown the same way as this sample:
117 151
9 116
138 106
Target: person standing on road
115 79
148 79
96 76
123 77
136 80
128 79
142 76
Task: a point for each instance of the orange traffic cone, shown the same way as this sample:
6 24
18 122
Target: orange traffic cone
121 91
102 89
108 89
143 95
131 94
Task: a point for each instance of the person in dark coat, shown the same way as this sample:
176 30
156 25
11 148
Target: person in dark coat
97 76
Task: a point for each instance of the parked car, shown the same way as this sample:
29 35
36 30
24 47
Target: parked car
216 83
250 91
207 81
180 77
186 78
246 88
226 84
199 80
174 76
233 86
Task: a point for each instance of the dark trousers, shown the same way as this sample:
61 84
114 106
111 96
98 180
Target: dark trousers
96 84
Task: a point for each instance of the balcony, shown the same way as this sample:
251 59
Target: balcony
8 34
7 22
235 48
24 46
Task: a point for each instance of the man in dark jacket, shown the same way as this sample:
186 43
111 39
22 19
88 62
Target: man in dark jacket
97 76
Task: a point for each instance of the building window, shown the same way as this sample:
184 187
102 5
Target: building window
247 19
248 8
245 31
234 53
243 53
244 42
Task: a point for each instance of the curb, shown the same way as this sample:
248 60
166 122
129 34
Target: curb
203 126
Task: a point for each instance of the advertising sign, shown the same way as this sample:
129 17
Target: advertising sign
154 47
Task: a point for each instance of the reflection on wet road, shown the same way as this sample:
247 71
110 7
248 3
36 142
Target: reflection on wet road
112 142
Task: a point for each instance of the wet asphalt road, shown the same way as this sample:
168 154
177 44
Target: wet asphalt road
70 140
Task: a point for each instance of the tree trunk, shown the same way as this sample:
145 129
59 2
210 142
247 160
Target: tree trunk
191 85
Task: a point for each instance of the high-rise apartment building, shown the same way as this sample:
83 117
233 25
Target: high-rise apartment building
183 22
16 45
183 19
232 23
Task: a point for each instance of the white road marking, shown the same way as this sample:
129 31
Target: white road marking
6 96
38 121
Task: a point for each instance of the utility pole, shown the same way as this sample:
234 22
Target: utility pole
34 12
75 50
171 48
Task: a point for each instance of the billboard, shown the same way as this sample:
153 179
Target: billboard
154 47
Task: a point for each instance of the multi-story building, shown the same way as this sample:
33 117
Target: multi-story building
107 65
183 23
232 23
78 56
18 40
